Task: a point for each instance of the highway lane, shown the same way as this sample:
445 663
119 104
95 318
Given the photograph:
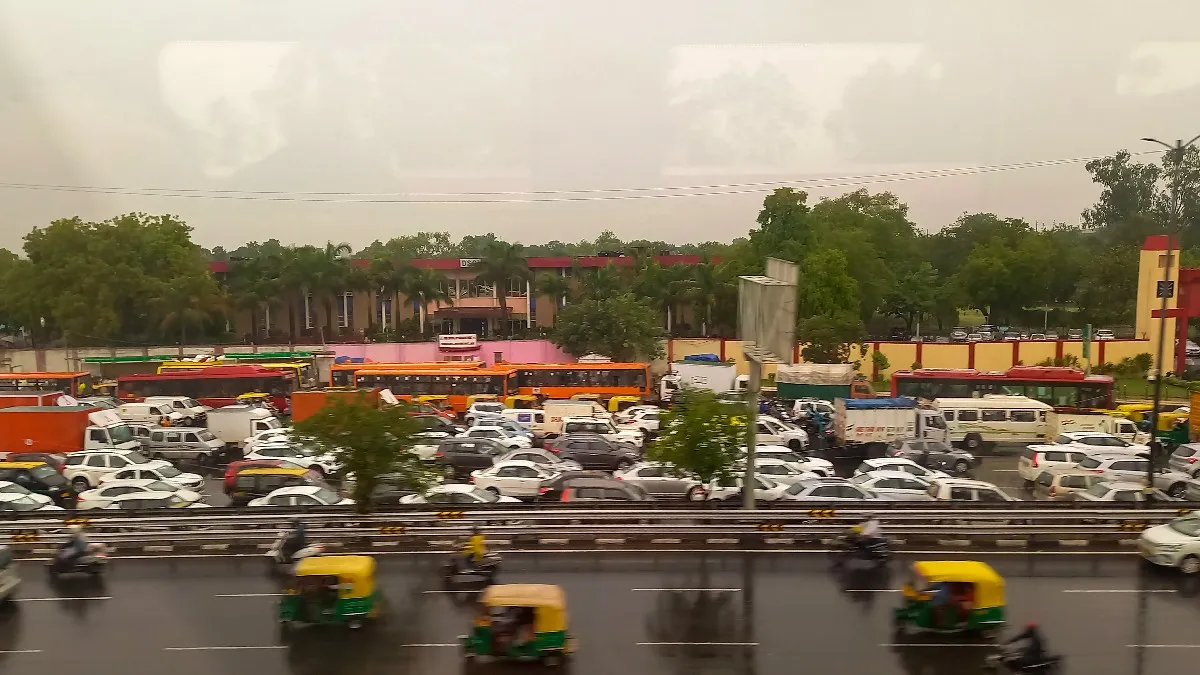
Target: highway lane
762 614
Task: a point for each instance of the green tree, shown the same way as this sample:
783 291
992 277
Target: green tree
425 286
914 295
827 337
368 442
393 275
327 278
553 286
665 287
253 284
624 328
501 265
600 283
701 436
1107 288
187 301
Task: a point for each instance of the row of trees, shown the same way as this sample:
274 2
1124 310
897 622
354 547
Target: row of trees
865 265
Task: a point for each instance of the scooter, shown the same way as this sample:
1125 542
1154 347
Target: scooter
278 566
877 552
1005 659
93 562
478 575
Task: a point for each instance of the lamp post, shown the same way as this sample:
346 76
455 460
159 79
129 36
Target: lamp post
1165 292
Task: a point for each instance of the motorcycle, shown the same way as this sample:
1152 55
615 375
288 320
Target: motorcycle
876 551
1006 658
92 561
277 565
476 574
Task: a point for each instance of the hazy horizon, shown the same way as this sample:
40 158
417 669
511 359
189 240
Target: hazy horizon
531 98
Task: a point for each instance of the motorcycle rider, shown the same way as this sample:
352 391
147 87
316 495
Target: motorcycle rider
474 550
294 540
1033 649
75 547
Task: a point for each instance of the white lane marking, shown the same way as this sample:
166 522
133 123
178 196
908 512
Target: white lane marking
248 595
432 644
20 651
1165 646
1119 590
940 644
444 591
688 590
221 649
92 597
1004 470
697 644
872 590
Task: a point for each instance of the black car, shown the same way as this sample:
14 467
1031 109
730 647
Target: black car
593 451
934 455
600 489
552 490
390 489
436 423
41 478
458 457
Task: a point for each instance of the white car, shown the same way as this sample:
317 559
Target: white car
482 409
7 487
634 410
548 460
603 427
282 435
457 493
899 464
514 478
15 501
1098 441
779 471
821 467
1038 458
499 434
154 499
302 495
895 485
967 490
101 497
766 489
162 472
1117 466
307 458
660 479
1176 544
85 468
646 419
774 431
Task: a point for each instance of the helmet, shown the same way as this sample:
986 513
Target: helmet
74 529
475 530
295 522
1031 624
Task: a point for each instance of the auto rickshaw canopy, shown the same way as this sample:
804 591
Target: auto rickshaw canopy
548 601
520 401
619 403
989 586
356 570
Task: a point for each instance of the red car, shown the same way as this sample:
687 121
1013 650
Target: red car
237 467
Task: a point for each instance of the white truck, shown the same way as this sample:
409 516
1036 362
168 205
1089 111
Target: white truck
63 429
718 377
194 413
556 411
233 424
864 426
1058 423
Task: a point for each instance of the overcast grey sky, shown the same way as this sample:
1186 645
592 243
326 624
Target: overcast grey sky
398 97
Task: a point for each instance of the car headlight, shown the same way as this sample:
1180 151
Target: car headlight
1169 548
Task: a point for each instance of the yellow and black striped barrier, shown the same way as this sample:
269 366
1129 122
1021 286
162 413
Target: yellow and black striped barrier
1183 512
24 537
770 527
78 521
822 513
393 529
1133 525
451 515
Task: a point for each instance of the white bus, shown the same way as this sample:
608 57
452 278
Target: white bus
990 419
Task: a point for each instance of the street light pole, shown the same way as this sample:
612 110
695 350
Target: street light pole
1178 149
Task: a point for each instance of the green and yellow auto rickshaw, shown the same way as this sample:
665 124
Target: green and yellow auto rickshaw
524 622
957 596
331 590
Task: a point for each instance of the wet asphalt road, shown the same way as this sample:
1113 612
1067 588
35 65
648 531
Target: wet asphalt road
764 614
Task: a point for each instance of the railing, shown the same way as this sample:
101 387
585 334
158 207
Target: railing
538 529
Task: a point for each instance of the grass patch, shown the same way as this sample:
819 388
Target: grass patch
1139 388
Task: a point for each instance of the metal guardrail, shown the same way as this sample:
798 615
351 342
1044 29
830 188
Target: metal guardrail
529 528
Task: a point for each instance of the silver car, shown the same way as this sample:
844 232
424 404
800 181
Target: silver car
895 485
1122 491
826 490
1115 466
1186 459
545 458
661 480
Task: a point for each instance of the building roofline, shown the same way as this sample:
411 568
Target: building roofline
536 263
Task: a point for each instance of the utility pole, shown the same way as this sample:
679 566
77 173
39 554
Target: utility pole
1165 291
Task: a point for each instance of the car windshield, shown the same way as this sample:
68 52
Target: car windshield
1098 490
169 472
206 435
862 478
26 503
160 486
45 474
1089 463
190 403
272 423
485 495
326 496
1189 525
489 407
784 456
13 488
120 433
136 458
795 489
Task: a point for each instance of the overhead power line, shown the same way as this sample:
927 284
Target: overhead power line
546 196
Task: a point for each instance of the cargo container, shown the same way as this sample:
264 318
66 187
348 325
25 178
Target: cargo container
26 399
864 427
63 429
305 404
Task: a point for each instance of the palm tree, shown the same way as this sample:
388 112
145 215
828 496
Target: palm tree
704 288
188 300
253 284
425 286
328 277
391 276
666 287
604 282
501 264
554 286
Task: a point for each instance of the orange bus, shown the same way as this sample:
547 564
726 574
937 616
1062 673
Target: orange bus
456 385
564 380
65 382
342 374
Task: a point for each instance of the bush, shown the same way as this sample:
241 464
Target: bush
916 365
879 361
1065 361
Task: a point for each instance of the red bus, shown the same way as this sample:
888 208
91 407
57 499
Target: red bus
1063 388
214 386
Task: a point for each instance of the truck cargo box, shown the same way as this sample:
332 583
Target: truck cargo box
44 428
29 399
305 404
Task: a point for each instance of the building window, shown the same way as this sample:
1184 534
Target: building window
516 288
346 310
264 319
515 326
479 289
383 310
310 318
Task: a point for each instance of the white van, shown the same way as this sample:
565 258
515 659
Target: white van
972 422
194 413
233 424
530 418
160 414
556 411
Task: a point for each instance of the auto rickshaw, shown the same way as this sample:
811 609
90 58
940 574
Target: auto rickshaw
618 404
521 622
482 398
439 401
522 401
331 590
586 397
956 596
1134 411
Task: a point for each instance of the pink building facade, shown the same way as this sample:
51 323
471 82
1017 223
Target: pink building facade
490 352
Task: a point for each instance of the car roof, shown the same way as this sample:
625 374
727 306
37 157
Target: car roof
881 461
452 487
13 496
582 435
1112 456
136 482
296 490
967 482
1123 484
827 480
893 474
594 481
772 448
274 471
1082 434
151 494
20 465
514 462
